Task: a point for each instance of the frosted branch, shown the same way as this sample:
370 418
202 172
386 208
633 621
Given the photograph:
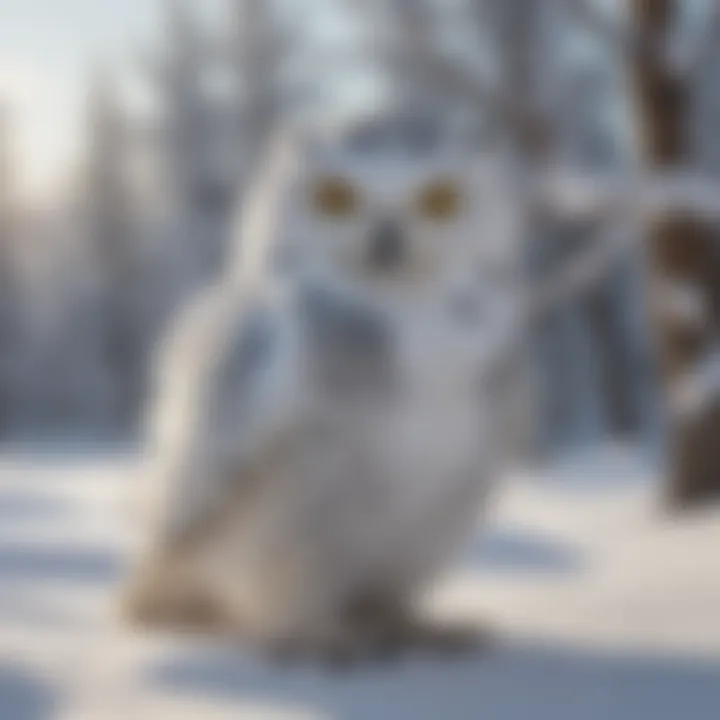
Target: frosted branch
614 241
452 77
569 193
682 303
698 389
600 25
415 52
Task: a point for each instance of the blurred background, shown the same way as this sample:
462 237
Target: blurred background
128 137
118 188
130 132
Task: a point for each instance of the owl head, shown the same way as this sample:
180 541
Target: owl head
395 210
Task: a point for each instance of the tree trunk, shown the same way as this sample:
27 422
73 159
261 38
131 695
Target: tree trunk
614 352
681 249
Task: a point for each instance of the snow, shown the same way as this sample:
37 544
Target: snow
573 194
603 608
683 303
698 389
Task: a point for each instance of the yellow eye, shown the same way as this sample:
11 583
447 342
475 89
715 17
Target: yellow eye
335 197
440 200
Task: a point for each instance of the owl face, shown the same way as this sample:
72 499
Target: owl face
395 224
383 228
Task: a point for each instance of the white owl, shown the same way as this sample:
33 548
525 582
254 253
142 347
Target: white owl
324 438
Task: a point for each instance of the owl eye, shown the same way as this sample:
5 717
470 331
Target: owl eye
335 197
440 200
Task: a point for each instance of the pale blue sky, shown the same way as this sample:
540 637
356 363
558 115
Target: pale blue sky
47 48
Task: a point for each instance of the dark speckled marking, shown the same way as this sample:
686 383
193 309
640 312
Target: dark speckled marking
351 346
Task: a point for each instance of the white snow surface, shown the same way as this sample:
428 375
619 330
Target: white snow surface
602 606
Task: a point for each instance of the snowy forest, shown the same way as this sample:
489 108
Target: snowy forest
599 89
590 582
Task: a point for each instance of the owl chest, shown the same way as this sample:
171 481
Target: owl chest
399 405
423 429
407 478
434 431
398 453
438 417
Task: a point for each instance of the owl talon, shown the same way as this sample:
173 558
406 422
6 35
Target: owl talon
336 654
449 639
396 630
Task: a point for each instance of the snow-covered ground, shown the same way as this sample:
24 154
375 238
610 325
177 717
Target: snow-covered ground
604 609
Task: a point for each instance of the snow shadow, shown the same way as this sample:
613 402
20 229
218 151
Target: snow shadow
24 697
512 683
18 505
601 469
516 550
68 564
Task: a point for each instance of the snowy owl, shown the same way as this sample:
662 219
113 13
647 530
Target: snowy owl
323 431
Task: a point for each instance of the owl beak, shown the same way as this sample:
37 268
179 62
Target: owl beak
387 246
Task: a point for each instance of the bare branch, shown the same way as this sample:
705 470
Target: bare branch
613 242
567 193
631 42
437 71
415 53
697 390
452 77
602 26
628 41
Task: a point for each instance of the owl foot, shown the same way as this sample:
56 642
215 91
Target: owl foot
446 638
398 630
341 651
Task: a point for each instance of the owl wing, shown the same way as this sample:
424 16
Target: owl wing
223 411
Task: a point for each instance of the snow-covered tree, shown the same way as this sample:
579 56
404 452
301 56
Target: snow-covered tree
673 102
219 96
197 198
554 96
9 298
113 244
215 102
684 248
